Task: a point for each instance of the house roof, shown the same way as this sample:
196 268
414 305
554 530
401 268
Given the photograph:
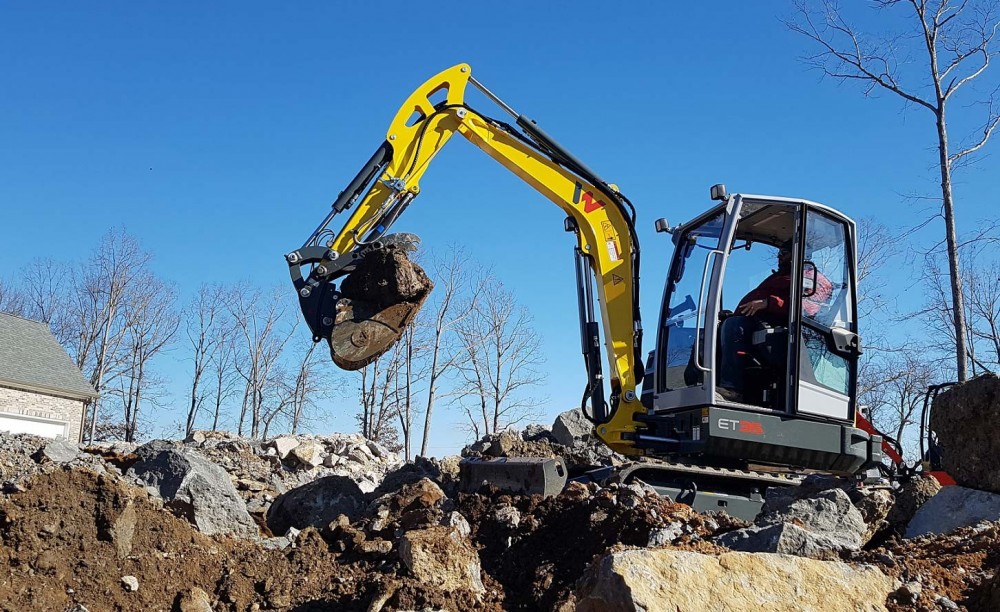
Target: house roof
32 359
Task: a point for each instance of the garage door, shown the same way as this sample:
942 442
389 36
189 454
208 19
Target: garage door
15 423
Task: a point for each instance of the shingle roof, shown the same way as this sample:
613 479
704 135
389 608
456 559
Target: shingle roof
31 358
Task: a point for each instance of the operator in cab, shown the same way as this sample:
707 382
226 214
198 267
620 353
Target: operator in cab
766 305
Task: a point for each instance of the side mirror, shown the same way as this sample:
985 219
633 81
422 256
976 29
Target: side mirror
718 192
662 225
808 279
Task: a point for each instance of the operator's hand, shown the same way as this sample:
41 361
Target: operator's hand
751 308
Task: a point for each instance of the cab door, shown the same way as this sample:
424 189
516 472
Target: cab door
826 357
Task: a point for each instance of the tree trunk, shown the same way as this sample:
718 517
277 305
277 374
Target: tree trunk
957 292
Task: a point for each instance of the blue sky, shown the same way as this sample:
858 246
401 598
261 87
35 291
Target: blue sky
219 133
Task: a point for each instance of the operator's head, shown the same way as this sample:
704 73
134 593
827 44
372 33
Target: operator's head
785 255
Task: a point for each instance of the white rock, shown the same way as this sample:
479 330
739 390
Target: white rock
283 445
307 453
131 583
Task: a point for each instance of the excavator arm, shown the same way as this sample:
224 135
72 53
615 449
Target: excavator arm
602 218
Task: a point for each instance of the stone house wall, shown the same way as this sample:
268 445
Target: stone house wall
39 405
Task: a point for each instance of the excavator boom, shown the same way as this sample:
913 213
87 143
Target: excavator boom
602 218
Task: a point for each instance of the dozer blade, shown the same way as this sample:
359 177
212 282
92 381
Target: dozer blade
379 298
525 475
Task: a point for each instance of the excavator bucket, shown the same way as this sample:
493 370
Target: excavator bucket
378 300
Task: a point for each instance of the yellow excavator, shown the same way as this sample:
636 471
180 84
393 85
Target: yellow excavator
731 401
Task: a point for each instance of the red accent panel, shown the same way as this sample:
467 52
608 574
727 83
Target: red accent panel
944 479
750 427
865 425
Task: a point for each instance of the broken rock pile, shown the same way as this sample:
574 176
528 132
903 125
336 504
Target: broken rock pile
570 438
333 522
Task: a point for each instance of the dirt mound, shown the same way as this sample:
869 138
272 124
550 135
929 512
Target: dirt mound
537 548
955 566
71 536
76 534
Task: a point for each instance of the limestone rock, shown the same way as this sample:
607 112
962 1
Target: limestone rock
283 445
315 504
307 454
196 437
952 508
194 488
441 557
459 522
783 538
874 506
131 583
193 600
122 531
58 451
965 419
667 580
571 427
385 277
802 522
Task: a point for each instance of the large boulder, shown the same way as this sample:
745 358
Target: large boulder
571 427
952 508
443 558
194 488
965 419
669 580
802 521
59 451
316 504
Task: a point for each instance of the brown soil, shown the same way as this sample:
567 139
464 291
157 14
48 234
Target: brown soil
59 548
955 566
539 561
70 535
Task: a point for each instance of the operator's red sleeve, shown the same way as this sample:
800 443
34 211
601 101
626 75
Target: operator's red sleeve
774 290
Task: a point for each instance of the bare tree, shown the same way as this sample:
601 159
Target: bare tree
49 290
224 375
958 40
96 310
412 348
259 321
150 324
983 286
306 386
12 299
894 406
378 384
207 328
500 354
451 276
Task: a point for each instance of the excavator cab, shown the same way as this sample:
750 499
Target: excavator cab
757 348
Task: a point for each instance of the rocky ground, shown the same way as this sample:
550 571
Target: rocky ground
337 522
